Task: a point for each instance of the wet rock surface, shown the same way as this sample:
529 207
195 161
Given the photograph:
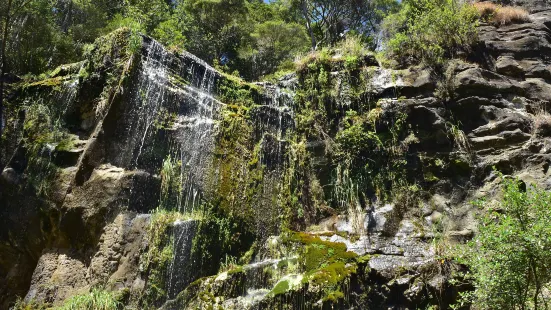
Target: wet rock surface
91 227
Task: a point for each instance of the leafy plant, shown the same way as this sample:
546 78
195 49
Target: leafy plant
430 31
510 256
21 304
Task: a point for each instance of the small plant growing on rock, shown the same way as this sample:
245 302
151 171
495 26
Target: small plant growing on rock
21 304
542 122
459 137
95 300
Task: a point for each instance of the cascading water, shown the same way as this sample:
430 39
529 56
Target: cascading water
274 118
147 97
181 270
171 112
67 95
172 115
194 138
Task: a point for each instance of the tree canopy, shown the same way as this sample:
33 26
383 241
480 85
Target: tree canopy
250 37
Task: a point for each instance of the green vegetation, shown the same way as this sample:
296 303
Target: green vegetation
171 184
159 255
509 258
325 265
368 151
366 146
250 36
95 300
20 304
160 251
43 135
430 31
317 253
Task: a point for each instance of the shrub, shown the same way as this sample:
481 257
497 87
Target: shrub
353 46
351 52
509 258
21 304
501 15
429 31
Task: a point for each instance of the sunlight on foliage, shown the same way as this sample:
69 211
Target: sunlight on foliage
509 258
430 31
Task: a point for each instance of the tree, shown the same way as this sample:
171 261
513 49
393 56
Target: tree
327 21
149 13
212 27
272 43
170 33
510 258
84 20
11 10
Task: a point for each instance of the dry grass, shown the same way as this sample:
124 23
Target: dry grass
542 122
501 15
486 9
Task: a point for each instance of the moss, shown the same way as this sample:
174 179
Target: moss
160 252
331 275
64 70
248 256
430 177
236 270
326 265
281 287
333 296
41 136
113 45
66 144
237 183
178 80
49 82
218 237
234 91
316 253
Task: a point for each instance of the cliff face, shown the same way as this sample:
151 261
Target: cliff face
139 170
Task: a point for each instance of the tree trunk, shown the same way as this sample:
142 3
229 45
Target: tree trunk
308 25
3 64
68 20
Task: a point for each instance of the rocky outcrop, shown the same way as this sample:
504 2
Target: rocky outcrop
85 170
97 146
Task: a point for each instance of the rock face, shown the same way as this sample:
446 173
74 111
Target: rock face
97 146
86 165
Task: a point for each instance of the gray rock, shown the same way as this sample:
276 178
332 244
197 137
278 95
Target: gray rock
506 65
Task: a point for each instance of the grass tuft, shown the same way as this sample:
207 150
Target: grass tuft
95 300
501 15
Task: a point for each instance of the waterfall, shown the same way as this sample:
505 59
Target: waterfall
171 114
168 109
181 271
194 137
67 95
147 97
273 120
